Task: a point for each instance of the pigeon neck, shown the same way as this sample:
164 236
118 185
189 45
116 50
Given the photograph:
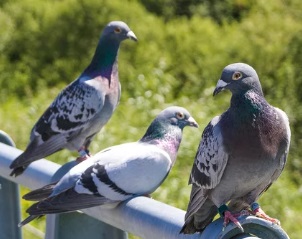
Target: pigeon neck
104 60
250 86
165 136
250 124
247 104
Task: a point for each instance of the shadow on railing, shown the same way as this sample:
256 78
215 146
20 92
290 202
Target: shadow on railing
140 216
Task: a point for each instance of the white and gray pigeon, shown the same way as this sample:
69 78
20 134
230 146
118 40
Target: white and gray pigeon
241 153
117 173
83 107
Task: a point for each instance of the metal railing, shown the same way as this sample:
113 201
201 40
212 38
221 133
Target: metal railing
141 216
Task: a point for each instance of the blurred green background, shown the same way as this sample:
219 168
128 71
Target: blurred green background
183 47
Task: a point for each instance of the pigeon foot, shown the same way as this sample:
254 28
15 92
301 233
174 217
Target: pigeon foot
258 212
84 154
82 158
228 216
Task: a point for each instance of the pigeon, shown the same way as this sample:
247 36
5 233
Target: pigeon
117 173
81 110
241 153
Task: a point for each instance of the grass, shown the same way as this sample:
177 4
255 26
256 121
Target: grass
283 199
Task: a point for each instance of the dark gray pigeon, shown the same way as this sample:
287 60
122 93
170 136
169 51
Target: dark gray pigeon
119 172
83 107
241 153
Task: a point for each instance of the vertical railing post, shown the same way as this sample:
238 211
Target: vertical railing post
10 213
77 225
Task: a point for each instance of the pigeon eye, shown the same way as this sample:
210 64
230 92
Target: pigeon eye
180 115
117 30
237 75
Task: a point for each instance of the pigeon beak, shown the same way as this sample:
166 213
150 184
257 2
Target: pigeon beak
192 122
131 36
219 87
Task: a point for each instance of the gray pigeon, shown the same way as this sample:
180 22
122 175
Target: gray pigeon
241 153
117 173
83 107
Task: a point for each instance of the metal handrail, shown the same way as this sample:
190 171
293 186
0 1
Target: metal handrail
142 216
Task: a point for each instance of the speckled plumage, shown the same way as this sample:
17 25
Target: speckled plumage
241 153
119 172
83 107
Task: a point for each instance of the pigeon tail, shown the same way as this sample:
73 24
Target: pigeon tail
202 218
40 193
34 151
17 171
27 220
68 200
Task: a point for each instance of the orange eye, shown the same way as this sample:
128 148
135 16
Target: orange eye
180 115
237 75
117 30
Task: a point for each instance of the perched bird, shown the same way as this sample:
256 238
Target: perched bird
241 153
83 107
117 173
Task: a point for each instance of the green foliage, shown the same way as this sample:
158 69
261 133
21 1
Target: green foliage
219 11
182 49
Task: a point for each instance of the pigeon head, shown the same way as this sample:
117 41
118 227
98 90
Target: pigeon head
106 53
176 116
119 31
238 78
169 122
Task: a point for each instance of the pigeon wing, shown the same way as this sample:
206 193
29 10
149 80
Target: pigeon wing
282 153
210 162
211 158
70 112
123 171
111 176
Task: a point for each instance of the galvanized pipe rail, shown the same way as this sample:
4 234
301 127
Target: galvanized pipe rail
144 217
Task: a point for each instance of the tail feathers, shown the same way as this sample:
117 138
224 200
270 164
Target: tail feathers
29 155
41 193
17 171
200 219
67 201
36 149
200 213
27 220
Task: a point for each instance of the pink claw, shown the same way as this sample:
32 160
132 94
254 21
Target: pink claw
258 212
82 158
228 216
84 154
